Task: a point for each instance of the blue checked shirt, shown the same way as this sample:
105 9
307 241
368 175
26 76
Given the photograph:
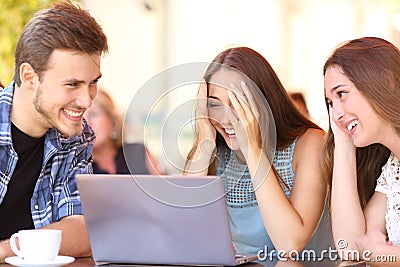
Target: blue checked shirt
56 194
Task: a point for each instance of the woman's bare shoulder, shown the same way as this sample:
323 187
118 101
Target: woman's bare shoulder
311 136
309 143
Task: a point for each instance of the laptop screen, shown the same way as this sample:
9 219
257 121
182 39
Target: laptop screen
153 219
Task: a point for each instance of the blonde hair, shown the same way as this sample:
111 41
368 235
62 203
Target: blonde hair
106 103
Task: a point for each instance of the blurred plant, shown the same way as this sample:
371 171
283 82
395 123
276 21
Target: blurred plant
13 17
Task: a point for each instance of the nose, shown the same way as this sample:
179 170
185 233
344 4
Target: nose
218 115
86 96
225 119
337 111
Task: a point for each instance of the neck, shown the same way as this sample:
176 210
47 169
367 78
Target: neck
393 145
23 113
240 156
389 138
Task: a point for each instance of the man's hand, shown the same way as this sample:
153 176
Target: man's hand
5 250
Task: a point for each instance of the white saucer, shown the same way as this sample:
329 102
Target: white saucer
58 261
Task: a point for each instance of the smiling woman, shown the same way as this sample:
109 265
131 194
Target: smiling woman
362 89
249 132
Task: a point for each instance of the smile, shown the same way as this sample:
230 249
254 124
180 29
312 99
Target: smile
351 125
74 114
230 131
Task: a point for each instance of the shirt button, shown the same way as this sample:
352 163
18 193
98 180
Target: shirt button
36 207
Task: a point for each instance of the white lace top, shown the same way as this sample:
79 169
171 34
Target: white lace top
389 184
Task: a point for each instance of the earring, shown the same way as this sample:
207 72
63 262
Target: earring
114 135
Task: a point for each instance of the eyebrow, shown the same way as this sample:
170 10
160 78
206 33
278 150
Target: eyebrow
215 97
81 81
75 81
333 89
98 77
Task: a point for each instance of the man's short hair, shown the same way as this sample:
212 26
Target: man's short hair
62 26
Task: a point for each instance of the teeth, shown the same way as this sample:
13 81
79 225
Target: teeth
352 125
73 113
230 131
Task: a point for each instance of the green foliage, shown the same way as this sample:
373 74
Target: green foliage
14 14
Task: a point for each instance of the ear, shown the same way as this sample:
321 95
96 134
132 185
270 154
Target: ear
27 75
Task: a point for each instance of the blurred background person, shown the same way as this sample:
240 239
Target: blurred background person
109 152
300 102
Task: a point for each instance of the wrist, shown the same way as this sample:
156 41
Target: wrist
255 156
345 147
3 253
254 153
344 143
201 159
207 147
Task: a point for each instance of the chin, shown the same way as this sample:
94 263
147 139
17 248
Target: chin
361 143
234 146
69 133
231 143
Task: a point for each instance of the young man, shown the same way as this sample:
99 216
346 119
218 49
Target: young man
44 140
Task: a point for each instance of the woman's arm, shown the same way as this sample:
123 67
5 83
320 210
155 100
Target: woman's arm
204 149
375 212
291 222
376 250
373 246
348 222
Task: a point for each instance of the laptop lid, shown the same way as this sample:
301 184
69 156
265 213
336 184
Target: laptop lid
151 219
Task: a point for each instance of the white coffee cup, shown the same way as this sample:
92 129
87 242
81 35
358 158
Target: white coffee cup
36 244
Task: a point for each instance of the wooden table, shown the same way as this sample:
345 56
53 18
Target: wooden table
88 262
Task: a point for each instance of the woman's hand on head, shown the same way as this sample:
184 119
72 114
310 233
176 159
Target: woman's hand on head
244 118
206 131
339 134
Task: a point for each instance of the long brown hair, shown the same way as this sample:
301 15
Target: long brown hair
373 66
289 122
62 26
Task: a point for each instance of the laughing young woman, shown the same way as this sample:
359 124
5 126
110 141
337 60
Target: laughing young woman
362 89
275 200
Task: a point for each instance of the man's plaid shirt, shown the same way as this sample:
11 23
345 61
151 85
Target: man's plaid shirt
56 194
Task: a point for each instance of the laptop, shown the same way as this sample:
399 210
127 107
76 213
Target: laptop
151 219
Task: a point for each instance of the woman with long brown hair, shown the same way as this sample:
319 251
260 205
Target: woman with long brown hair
362 89
249 132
